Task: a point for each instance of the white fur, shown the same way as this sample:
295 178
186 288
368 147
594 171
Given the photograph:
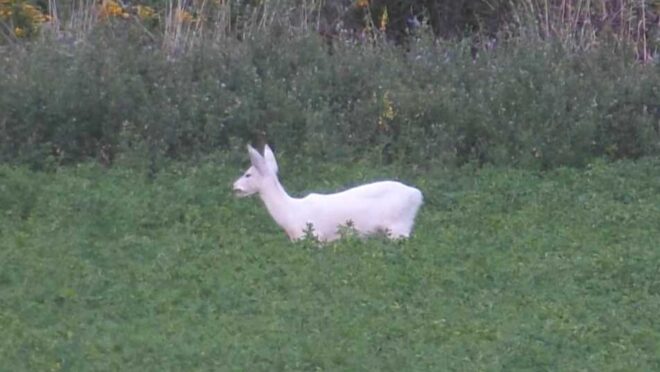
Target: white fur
386 206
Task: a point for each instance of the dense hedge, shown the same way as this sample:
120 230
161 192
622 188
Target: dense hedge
522 102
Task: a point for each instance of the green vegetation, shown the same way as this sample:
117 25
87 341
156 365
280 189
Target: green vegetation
179 82
110 269
531 126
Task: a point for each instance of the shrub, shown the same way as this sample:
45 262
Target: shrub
119 88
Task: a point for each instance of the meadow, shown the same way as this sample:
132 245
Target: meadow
531 126
508 269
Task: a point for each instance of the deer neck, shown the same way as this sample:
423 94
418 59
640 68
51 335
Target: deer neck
280 206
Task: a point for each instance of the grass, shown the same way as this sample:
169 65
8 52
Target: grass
108 269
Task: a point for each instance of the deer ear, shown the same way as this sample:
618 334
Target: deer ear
257 160
270 159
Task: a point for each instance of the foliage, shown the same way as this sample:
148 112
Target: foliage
107 79
581 21
20 19
507 270
522 103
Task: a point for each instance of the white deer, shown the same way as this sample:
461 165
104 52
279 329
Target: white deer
386 206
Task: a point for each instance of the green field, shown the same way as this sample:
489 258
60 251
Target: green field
108 269
531 126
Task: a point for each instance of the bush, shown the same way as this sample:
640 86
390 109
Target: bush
120 90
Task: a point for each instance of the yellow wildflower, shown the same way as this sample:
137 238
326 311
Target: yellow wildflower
19 32
387 114
34 14
183 16
384 19
5 13
362 3
145 12
111 8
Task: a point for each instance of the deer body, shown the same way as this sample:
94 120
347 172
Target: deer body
386 206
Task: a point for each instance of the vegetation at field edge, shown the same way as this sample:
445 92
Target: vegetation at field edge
528 83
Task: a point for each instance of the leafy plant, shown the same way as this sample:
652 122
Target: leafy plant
506 269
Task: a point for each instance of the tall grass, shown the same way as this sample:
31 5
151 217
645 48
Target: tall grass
587 23
583 21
